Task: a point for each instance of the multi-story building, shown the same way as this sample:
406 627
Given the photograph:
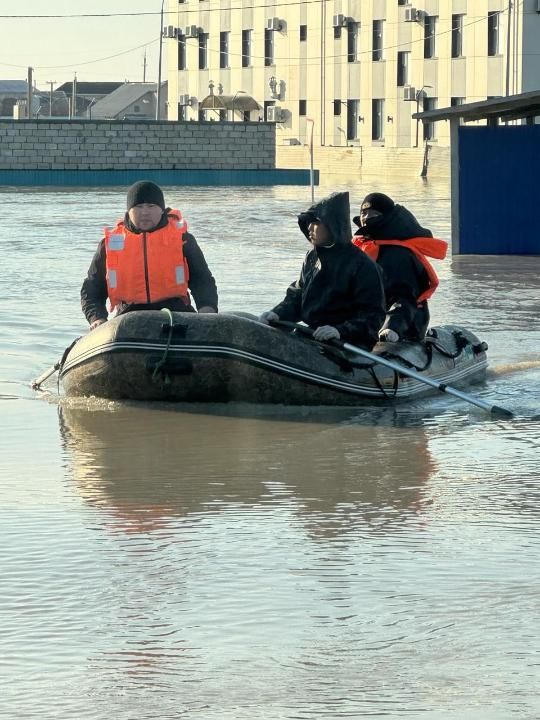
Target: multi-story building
353 70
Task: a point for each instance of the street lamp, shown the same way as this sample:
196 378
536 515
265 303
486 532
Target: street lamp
158 106
238 92
418 96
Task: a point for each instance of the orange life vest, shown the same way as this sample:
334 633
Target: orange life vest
146 267
420 246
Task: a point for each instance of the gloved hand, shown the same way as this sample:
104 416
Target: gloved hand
326 332
96 323
268 317
388 336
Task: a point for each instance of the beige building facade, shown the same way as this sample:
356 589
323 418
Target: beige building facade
351 71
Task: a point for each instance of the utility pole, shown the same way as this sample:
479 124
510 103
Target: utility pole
52 83
30 93
158 102
74 98
144 66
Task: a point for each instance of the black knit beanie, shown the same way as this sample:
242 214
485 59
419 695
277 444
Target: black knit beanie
145 192
377 201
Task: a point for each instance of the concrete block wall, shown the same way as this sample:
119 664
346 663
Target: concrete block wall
104 145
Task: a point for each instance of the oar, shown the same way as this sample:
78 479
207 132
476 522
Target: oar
402 370
36 384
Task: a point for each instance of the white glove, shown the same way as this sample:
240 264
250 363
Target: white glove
388 336
326 332
268 317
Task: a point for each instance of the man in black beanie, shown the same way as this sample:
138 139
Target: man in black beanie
148 261
392 236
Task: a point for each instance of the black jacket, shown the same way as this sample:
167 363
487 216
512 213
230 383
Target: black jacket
338 285
404 276
201 282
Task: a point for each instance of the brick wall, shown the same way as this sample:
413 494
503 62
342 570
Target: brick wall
103 145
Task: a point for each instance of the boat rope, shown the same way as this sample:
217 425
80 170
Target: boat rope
163 360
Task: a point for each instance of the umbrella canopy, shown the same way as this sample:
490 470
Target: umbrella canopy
240 101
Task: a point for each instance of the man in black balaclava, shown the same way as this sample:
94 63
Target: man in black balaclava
148 262
392 236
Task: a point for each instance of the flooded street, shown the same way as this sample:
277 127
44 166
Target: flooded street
247 563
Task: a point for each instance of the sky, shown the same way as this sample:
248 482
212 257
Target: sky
60 47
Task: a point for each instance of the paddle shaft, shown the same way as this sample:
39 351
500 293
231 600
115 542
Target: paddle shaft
36 384
402 370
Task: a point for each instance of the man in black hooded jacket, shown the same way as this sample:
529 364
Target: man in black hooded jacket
339 292
392 236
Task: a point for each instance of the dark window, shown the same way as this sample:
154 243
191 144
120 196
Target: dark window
203 51
403 68
181 52
202 115
246 115
457 101
352 119
223 49
457 36
377 125
302 108
268 47
352 42
337 33
337 107
493 33
246 48
303 33
429 103
378 28
181 112
430 28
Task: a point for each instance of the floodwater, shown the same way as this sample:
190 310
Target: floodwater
251 563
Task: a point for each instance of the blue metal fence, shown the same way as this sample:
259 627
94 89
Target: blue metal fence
499 170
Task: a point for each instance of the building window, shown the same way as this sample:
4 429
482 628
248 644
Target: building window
493 33
202 115
268 47
337 107
430 29
224 49
352 41
203 51
302 108
377 124
337 32
457 36
303 33
352 119
246 48
268 104
457 101
246 115
378 29
429 103
403 68
181 112
181 52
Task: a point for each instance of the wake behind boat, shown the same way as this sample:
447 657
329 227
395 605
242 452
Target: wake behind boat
189 357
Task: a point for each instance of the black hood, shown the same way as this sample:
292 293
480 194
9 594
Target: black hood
334 212
398 224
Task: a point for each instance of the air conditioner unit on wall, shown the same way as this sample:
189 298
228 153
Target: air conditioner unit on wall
339 20
274 24
192 31
275 114
170 31
411 14
409 93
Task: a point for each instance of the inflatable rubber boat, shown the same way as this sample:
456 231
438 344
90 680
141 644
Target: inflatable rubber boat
186 357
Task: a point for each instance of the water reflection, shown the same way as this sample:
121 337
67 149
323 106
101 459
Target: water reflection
333 470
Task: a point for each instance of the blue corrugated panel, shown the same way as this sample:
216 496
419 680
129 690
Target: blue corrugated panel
100 178
498 190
